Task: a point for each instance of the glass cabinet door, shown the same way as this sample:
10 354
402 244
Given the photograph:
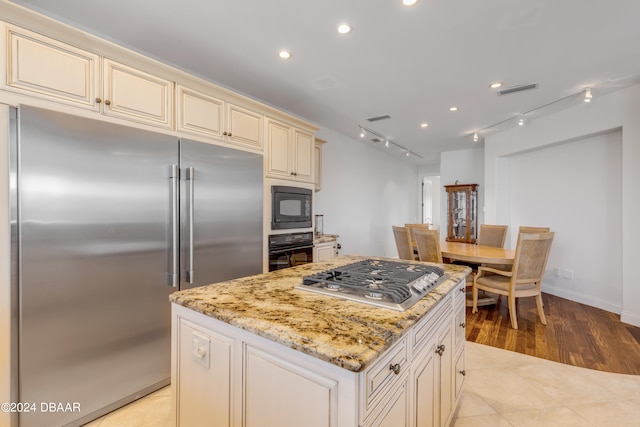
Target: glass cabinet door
463 213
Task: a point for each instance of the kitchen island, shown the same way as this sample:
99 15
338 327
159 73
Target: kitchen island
256 351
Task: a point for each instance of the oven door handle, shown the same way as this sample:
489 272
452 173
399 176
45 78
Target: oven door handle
289 249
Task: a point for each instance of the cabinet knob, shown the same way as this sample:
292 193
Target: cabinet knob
107 102
224 133
230 134
462 290
98 100
463 325
395 368
440 349
463 372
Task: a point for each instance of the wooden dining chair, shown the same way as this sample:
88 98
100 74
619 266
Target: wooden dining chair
525 278
412 227
403 242
492 235
428 243
527 229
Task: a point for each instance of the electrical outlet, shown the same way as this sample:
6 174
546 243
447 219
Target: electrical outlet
567 274
201 349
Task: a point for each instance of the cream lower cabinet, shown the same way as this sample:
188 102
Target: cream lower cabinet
235 378
209 116
324 251
290 152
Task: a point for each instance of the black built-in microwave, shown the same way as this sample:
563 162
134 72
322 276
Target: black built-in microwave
290 207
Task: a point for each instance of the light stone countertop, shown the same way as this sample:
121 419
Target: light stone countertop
345 333
325 238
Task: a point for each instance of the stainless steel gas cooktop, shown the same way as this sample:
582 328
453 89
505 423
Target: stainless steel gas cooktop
389 284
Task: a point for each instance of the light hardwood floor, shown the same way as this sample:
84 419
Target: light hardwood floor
575 334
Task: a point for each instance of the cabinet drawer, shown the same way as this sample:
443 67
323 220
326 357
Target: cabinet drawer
381 376
422 332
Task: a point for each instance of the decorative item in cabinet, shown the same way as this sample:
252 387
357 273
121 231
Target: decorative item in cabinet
462 216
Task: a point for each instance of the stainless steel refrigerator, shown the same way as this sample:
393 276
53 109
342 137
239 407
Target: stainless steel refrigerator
107 221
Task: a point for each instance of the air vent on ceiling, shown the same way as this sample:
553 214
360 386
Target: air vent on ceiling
376 118
518 88
376 140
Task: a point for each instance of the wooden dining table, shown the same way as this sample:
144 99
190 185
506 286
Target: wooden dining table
477 254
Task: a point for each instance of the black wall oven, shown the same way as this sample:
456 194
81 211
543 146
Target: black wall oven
289 250
290 207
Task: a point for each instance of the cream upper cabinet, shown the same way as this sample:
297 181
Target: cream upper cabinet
318 159
47 68
209 116
133 94
290 152
304 150
244 126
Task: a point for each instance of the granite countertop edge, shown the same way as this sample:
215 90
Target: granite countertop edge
347 334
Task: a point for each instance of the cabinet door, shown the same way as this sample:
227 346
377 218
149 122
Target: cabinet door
395 413
199 113
204 377
244 126
424 386
278 136
45 67
303 151
135 95
445 363
324 251
279 393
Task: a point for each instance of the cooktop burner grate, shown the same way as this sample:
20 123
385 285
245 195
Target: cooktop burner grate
388 284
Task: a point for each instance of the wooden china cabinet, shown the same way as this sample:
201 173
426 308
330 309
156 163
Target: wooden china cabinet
462 215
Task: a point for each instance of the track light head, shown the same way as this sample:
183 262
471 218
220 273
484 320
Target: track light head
475 137
587 95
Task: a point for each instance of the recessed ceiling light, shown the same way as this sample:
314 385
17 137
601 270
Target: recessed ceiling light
284 54
344 28
424 125
453 108
409 2
495 85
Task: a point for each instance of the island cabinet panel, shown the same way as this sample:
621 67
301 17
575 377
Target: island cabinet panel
204 392
260 379
280 393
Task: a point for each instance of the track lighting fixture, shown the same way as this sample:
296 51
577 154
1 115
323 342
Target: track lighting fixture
522 120
587 95
387 141
475 137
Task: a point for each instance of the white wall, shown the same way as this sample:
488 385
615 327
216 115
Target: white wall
466 167
589 126
364 192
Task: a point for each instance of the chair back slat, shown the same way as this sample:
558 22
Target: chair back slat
492 235
403 242
428 243
532 254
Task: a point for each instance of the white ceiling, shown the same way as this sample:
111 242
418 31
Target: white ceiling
411 63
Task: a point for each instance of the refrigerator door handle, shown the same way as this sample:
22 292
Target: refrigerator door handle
191 209
174 267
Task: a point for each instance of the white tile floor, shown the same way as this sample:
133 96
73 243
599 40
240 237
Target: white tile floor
502 388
